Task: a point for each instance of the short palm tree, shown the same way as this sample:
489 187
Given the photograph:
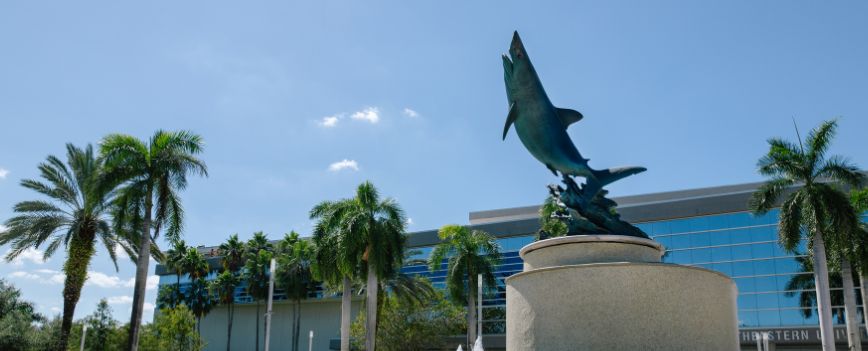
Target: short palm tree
154 172
295 276
816 207
468 253
257 264
365 231
75 215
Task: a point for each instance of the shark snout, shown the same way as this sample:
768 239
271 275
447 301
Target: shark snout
516 49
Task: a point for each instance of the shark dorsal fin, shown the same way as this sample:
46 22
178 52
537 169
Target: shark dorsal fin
513 113
568 116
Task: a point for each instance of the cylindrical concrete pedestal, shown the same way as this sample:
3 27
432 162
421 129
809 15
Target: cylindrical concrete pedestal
609 292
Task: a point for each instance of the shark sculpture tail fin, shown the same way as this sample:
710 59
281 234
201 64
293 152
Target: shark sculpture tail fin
608 176
604 177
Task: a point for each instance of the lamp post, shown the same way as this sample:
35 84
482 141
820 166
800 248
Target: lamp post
310 342
83 335
268 309
479 304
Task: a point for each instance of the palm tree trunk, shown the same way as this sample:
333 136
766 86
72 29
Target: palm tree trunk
297 324
853 333
229 312
371 305
80 252
141 275
257 326
864 283
345 314
824 301
471 315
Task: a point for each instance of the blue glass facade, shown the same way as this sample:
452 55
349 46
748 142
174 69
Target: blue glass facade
738 244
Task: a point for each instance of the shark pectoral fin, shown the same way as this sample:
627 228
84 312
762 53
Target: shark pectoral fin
513 113
568 116
554 171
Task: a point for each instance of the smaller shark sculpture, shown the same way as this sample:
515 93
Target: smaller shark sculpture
542 128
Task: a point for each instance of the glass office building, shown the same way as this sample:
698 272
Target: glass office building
709 228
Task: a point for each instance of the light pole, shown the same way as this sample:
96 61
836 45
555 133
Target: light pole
479 308
310 342
83 335
270 298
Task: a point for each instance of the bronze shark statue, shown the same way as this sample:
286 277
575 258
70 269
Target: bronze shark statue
542 128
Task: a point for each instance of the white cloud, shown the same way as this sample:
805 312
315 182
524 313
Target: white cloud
344 164
369 114
44 276
25 275
103 280
119 300
152 283
148 307
30 254
121 253
3 228
410 113
55 309
3 173
329 121
409 221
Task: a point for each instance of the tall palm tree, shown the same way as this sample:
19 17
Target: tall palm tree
816 207
173 259
365 231
154 172
257 264
74 215
232 254
334 267
467 253
198 298
223 287
295 276
859 251
232 259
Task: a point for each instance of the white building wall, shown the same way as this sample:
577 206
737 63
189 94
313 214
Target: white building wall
321 316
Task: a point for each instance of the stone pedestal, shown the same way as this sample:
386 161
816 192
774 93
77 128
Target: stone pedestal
610 292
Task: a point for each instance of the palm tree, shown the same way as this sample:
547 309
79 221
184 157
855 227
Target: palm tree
295 276
232 253
817 207
173 260
197 297
366 231
859 251
333 266
468 253
224 288
803 285
74 215
232 259
154 172
256 266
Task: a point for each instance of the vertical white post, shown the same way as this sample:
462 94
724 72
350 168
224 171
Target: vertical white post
479 309
310 342
83 335
765 341
268 309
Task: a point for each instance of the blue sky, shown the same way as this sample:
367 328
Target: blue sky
299 102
